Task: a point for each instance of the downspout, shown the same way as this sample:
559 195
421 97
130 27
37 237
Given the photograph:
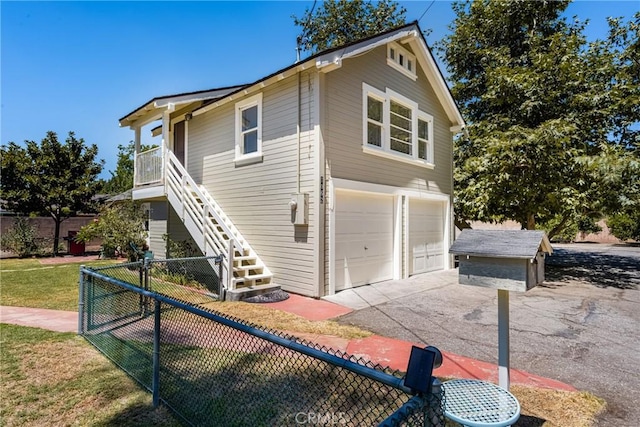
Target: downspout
299 127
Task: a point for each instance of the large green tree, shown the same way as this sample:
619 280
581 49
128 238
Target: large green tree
338 22
544 110
51 178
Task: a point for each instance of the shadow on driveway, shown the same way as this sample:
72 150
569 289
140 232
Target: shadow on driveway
593 267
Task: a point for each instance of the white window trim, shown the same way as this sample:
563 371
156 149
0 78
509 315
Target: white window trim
395 64
380 96
385 151
429 119
242 159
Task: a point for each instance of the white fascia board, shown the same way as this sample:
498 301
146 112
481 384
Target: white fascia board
334 58
428 63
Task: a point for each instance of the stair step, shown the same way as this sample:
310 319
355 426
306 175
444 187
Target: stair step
245 258
252 277
247 267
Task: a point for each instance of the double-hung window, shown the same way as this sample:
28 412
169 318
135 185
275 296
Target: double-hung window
394 127
375 119
249 130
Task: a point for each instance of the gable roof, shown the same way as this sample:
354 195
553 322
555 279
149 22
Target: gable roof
501 243
326 61
176 99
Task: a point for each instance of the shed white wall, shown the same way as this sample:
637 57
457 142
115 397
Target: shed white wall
256 196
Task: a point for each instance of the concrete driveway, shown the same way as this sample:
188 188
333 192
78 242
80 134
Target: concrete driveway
581 326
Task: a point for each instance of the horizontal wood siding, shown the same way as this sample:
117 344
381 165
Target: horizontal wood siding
344 119
158 219
256 196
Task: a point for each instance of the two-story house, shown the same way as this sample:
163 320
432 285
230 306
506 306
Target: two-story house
334 172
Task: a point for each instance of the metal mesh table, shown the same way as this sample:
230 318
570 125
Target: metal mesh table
476 403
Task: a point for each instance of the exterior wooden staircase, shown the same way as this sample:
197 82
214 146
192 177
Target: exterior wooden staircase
214 232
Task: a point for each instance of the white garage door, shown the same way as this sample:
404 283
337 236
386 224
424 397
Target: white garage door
363 239
426 235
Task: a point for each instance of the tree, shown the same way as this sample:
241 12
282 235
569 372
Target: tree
50 178
338 22
122 179
117 225
541 104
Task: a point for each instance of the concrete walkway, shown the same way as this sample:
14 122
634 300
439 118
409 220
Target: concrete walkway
385 351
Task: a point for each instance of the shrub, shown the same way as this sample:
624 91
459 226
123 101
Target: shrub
21 239
625 225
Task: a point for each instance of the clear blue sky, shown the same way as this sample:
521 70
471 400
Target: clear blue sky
80 66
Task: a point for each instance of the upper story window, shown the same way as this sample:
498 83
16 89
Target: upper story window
249 130
402 60
394 127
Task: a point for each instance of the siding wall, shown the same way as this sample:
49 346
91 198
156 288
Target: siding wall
158 219
343 126
342 120
256 196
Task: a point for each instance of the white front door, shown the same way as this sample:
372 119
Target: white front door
363 238
426 236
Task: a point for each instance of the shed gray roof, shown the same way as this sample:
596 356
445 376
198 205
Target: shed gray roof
501 243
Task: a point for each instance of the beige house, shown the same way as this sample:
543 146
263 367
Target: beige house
331 173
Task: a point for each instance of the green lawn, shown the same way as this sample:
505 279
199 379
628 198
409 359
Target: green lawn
53 379
27 283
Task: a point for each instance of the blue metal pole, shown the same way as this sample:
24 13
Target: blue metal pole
81 302
155 385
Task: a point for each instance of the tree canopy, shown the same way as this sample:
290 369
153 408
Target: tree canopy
548 113
338 22
50 178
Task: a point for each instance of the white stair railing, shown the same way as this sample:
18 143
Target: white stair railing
212 230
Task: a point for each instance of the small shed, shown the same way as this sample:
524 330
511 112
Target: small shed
511 260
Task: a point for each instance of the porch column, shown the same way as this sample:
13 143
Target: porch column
166 126
136 140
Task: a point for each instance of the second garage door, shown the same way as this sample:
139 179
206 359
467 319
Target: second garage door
426 236
363 238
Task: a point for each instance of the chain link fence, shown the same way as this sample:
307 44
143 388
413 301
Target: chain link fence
215 370
193 280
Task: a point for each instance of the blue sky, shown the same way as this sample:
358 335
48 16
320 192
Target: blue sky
80 66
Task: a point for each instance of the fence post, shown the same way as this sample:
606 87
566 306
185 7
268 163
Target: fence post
81 302
145 267
141 282
220 261
155 384
434 407
230 253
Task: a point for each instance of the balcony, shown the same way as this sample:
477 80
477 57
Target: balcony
149 167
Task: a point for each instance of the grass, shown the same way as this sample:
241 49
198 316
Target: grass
27 283
34 394
555 408
52 379
283 321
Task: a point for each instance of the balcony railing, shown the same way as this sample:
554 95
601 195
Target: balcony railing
149 166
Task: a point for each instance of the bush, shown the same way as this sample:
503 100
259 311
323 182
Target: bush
117 225
625 225
21 239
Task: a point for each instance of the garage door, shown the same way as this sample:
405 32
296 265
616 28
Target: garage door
363 239
426 235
